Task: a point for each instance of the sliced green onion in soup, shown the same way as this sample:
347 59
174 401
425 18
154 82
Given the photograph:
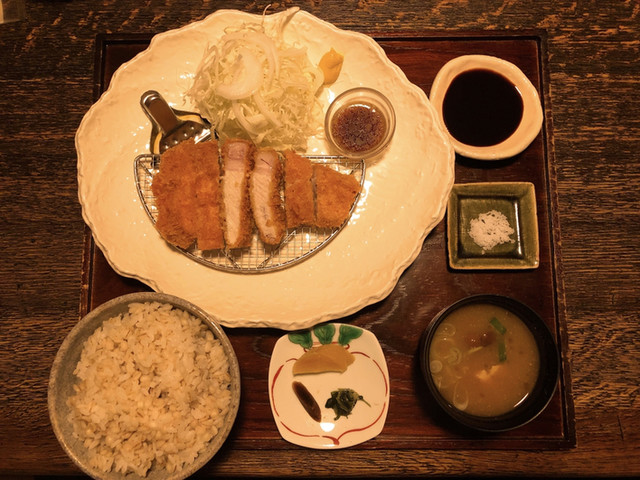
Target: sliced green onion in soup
454 357
446 330
502 350
495 323
446 378
460 397
435 366
473 350
441 347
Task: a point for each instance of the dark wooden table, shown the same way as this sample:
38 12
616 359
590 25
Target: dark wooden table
591 75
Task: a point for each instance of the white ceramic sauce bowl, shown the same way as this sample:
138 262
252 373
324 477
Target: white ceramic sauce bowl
532 114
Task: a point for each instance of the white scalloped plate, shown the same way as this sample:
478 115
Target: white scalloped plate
404 196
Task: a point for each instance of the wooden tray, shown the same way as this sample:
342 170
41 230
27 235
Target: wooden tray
427 286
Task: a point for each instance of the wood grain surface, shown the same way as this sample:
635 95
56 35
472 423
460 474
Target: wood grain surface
47 84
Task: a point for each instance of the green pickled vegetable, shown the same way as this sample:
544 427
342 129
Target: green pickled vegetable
342 401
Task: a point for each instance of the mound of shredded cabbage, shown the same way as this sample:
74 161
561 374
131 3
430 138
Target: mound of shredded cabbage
250 84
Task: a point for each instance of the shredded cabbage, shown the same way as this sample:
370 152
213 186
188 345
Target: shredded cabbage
251 84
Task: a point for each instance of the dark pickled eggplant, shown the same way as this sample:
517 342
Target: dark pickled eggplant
308 402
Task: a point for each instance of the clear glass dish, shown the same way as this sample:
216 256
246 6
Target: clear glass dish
365 117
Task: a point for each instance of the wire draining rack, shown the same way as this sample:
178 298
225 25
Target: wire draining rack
296 246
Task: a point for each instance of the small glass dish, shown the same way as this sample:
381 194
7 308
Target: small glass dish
360 123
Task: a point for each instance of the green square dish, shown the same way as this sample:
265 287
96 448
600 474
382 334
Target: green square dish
517 202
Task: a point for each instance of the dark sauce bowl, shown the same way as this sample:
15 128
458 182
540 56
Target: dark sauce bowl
482 118
543 389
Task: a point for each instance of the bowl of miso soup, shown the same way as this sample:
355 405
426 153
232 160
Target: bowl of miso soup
490 362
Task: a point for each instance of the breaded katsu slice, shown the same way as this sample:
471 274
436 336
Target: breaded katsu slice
335 194
208 213
264 192
187 195
237 163
175 220
298 190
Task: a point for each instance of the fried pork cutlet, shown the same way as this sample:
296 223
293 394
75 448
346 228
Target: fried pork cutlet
209 233
298 190
188 196
237 161
264 191
335 194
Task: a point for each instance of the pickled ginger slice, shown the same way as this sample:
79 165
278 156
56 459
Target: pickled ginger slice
325 358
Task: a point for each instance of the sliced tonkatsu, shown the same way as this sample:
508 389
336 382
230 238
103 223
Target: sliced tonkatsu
298 190
265 194
237 163
210 197
187 193
335 193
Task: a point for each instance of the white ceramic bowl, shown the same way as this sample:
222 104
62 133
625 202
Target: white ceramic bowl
532 115
62 381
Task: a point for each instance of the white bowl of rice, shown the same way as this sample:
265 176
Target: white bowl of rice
145 386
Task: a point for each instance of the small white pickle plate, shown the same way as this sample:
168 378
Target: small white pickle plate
367 375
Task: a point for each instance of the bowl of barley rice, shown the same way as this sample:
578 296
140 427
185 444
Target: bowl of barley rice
147 385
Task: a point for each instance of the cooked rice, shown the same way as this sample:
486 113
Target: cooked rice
153 390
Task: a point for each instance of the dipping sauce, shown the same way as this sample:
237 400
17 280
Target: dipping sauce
484 360
358 128
482 108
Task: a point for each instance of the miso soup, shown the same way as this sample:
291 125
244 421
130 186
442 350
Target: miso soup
484 359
